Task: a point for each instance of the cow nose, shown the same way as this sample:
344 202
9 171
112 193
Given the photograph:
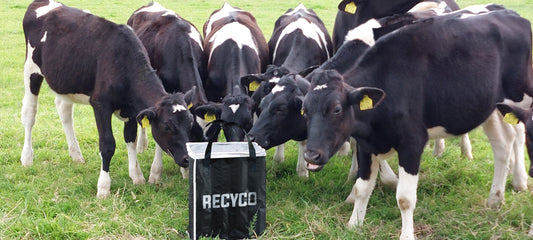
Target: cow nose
311 156
184 161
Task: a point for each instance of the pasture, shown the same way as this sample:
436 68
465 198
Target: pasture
56 198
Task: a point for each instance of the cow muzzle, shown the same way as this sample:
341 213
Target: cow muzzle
314 160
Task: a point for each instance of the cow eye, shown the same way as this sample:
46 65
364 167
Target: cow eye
337 109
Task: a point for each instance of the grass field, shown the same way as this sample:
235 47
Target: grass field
56 198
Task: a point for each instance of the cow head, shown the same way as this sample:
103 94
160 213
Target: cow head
235 108
329 110
281 119
259 85
171 124
513 115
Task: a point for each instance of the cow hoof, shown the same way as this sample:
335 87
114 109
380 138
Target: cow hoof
76 156
520 186
26 158
139 181
350 199
495 201
531 231
103 194
153 180
468 155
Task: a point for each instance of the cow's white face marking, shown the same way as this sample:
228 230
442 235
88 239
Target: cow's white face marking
46 9
195 35
274 80
320 87
363 32
235 31
298 8
309 30
178 108
234 107
278 89
222 13
156 7
44 36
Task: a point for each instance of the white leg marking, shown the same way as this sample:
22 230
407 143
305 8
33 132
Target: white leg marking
184 172
517 163
279 154
29 107
64 109
142 141
531 231
406 199
344 150
157 166
134 170
501 138
466 147
300 166
361 191
354 167
439 147
104 185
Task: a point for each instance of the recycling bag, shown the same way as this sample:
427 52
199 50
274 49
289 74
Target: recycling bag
227 192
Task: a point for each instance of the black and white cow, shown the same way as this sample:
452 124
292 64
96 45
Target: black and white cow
87 59
175 49
353 13
395 98
235 47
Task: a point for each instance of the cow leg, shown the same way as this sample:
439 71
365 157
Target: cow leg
466 147
440 144
32 84
107 149
363 187
344 150
65 111
184 172
142 141
157 166
130 134
501 138
531 231
518 165
409 155
301 165
279 154
354 167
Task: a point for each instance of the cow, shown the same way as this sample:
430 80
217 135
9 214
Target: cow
231 56
395 98
353 13
87 59
175 49
299 41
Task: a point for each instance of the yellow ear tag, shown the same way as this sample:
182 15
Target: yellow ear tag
510 118
209 117
253 86
145 122
302 112
366 103
350 8
189 106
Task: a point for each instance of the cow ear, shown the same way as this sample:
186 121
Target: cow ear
513 114
366 97
308 70
252 81
194 97
209 112
146 116
348 6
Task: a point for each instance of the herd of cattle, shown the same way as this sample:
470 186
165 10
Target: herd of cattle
395 74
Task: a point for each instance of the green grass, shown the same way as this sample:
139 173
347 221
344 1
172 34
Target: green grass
56 198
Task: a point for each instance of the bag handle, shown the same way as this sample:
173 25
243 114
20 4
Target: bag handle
223 123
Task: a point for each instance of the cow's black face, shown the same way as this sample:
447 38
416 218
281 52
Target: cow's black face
237 109
171 124
281 119
512 115
328 116
329 111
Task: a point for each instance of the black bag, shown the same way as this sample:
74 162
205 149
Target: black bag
227 190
